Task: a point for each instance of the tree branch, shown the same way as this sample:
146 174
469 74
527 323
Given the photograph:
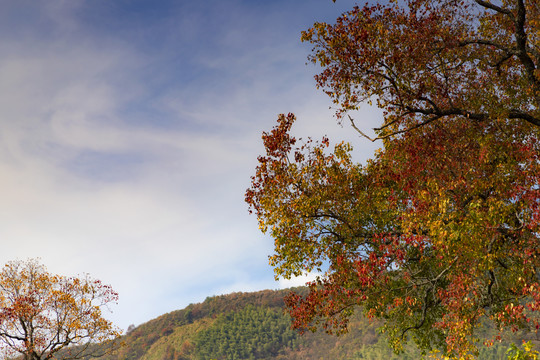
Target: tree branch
494 7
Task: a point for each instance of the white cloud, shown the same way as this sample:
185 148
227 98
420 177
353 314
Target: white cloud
298 280
131 166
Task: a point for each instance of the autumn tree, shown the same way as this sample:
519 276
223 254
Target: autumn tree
439 231
423 61
45 316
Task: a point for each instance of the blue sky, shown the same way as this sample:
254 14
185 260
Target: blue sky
130 129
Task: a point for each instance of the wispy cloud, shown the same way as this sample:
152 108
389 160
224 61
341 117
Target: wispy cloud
130 131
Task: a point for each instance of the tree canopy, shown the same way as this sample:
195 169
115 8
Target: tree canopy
424 60
42 314
439 231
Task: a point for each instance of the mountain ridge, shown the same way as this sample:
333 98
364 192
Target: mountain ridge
255 325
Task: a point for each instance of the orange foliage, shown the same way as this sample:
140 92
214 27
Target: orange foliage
440 230
42 314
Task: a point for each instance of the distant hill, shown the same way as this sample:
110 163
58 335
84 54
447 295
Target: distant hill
255 326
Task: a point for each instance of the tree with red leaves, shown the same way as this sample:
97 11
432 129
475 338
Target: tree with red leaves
440 230
45 316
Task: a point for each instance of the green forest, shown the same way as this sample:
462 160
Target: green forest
256 326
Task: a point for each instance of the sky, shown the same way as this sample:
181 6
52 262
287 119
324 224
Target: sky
130 130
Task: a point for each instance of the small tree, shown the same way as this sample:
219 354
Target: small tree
42 314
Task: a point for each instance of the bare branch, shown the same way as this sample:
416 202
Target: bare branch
494 7
360 131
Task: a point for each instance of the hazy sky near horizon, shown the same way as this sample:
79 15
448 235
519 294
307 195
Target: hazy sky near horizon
130 130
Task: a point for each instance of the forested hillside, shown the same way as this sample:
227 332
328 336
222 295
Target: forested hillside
255 326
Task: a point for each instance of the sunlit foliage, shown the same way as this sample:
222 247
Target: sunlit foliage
43 314
440 230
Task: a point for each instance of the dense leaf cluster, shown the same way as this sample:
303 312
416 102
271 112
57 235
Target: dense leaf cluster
439 231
